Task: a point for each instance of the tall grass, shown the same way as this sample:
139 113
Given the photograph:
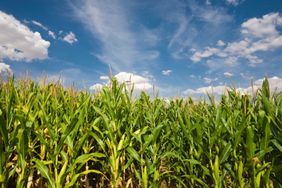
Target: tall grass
51 136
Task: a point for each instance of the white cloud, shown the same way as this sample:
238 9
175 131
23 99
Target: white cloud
111 23
246 76
176 44
104 78
52 34
209 80
198 56
275 84
209 14
259 34
187 33
228 74
4 67
233 2
166 72
67 77
18 42
70 38
208 2
150 36
140 83
148 75
220 43
262 27
39 25
217 90
53 78
96 87
192 76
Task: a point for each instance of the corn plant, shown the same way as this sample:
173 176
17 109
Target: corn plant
53 136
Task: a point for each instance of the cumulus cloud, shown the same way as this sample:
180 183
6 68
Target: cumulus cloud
217 90
96 87
198 56
130 79
258 35
228 74
70 38
220 43
166 72
275 84
139 82
4 68
262 27
18 42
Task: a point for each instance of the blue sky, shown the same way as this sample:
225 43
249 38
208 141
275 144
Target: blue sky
177 47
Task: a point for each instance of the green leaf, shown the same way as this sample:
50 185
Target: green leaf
67 131
250 145
76 176
86 157
277 145
225 153
120 144
265 88
133 153
22 146
3 129
39 165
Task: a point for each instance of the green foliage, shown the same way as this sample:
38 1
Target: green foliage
51 136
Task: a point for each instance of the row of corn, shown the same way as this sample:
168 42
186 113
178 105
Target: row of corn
51 136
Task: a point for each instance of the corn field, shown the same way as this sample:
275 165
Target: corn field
51 136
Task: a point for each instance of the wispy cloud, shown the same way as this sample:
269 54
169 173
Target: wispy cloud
166 72
39 25
66 76
111 23
189 34
50 33
234 2
208 80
